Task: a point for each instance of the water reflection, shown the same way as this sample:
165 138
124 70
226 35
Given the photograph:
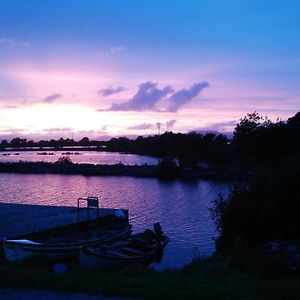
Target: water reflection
88 157
180 206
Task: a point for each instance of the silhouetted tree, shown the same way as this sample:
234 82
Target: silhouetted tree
84 141
167 168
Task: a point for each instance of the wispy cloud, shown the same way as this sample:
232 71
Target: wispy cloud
26 44
9 106
110 51
183 96
143 126
117 49
11 42
52 97
110 91
63 130
218 127
145 98
7 41
170 124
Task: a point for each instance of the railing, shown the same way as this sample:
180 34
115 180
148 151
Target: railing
91 202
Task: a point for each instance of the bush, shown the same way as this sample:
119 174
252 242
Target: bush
64 160
266 209
167 168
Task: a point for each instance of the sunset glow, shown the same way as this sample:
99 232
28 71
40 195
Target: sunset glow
103 68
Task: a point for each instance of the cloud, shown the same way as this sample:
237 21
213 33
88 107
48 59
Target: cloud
26 44
110 52
148 95
218 127
143 126
59 130
145 99
183 96
110 91
7 41
11 42
9 107
117 49
170 124
52 97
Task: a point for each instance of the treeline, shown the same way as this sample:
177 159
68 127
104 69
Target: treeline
259 220
256 141
189 148
18 143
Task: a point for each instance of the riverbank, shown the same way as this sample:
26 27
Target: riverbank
147 171
211 278
79 169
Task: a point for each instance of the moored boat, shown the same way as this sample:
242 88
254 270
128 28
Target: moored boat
139 248
63 242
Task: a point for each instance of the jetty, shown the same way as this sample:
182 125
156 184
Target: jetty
21 219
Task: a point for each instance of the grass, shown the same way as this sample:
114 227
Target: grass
203 279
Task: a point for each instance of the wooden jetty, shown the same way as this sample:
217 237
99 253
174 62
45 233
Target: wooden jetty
21 219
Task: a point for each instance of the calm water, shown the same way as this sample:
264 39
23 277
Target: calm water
181 207
89 157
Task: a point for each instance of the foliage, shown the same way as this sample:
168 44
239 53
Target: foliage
205 279
266 209
64 160
167 168
259 141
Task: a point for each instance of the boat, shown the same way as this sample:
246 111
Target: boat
141 248
63 242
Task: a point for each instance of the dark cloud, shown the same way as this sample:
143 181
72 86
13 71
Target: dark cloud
143 126
52 97
183 96
110 91
145 99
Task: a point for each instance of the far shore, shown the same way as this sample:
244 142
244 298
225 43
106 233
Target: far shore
147 171
81 169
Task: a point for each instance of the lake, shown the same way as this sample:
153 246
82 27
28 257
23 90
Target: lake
87 157
182 207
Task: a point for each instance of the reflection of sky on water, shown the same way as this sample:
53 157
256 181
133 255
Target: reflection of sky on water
89 157
180 206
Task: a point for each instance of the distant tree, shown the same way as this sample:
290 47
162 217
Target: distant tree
30 143
17 142
294 121
247 126
4 144
167 168
64 160
84 141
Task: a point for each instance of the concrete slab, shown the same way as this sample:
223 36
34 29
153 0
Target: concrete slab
19 219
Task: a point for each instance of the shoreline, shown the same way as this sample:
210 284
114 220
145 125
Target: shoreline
145 171
78 169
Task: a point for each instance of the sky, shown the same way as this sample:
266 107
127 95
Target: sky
103 68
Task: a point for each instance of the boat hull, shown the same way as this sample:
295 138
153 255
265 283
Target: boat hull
105 263
16 250
105 258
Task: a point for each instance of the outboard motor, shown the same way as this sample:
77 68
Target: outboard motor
157 229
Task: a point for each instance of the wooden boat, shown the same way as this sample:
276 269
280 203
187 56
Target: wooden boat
62 243
139 248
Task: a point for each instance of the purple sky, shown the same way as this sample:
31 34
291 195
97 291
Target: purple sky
101 68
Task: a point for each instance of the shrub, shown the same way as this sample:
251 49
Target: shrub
64 160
